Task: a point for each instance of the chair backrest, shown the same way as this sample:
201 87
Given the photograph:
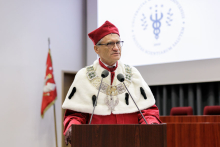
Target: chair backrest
211 110
181 111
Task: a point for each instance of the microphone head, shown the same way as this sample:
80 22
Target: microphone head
120 77
104 74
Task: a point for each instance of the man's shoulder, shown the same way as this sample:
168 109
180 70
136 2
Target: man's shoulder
88 68
82 70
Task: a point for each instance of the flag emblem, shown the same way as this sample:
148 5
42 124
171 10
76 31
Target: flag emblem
49 89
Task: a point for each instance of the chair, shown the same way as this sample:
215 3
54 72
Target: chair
211 110
181 111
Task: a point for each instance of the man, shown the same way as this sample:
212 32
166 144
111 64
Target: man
114 105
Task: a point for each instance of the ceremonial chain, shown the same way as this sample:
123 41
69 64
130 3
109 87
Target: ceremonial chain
106 88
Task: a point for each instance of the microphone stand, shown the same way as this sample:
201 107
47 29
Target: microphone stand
95 102
135 103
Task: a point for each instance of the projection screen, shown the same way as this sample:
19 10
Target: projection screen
169 41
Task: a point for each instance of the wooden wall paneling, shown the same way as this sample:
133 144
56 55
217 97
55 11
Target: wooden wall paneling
164 100
174 96
181 96
67 80
218 93
196 95
158 99
211 97
191 96
193 135
199 99
192 131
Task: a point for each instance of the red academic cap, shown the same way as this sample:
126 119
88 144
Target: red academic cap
105 29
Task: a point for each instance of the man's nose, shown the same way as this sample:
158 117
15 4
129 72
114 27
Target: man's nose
115 47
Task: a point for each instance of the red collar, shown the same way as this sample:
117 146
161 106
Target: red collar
111 70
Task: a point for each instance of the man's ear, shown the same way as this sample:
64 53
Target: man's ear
96 49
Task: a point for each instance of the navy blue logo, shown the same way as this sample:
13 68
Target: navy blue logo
158 26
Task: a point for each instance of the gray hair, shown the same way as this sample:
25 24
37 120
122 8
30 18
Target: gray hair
99 41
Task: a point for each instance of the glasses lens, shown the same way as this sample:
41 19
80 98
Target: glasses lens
121 43
110 44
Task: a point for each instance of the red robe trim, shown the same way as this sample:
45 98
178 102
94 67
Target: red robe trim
151 115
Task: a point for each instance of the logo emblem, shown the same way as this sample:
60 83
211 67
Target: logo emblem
158 26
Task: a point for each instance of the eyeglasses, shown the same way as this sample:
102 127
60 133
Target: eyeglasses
110 45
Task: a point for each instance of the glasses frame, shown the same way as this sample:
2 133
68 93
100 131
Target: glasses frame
121 42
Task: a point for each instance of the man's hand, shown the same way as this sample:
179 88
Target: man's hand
68 136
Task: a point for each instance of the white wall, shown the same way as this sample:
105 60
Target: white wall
92 24
24 29
181 72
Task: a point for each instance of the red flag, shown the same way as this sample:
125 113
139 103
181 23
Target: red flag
49 91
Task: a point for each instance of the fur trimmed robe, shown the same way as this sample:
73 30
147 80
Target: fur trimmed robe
114 105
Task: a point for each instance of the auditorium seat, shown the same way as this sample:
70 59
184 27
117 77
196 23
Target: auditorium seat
181 111
211 110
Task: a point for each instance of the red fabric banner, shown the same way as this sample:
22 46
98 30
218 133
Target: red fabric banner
49 90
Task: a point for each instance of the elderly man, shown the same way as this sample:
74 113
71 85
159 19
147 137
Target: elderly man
114 106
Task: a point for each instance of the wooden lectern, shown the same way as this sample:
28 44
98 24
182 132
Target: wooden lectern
119 135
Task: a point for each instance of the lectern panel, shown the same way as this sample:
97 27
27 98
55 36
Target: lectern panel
119 135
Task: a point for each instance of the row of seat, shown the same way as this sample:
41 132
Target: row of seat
208 110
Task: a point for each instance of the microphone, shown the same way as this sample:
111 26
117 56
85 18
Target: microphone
103 75
121 78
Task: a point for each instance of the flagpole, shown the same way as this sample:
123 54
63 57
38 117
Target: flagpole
54 111
49 43
55 125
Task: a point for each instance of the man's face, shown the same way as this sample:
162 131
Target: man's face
109 55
